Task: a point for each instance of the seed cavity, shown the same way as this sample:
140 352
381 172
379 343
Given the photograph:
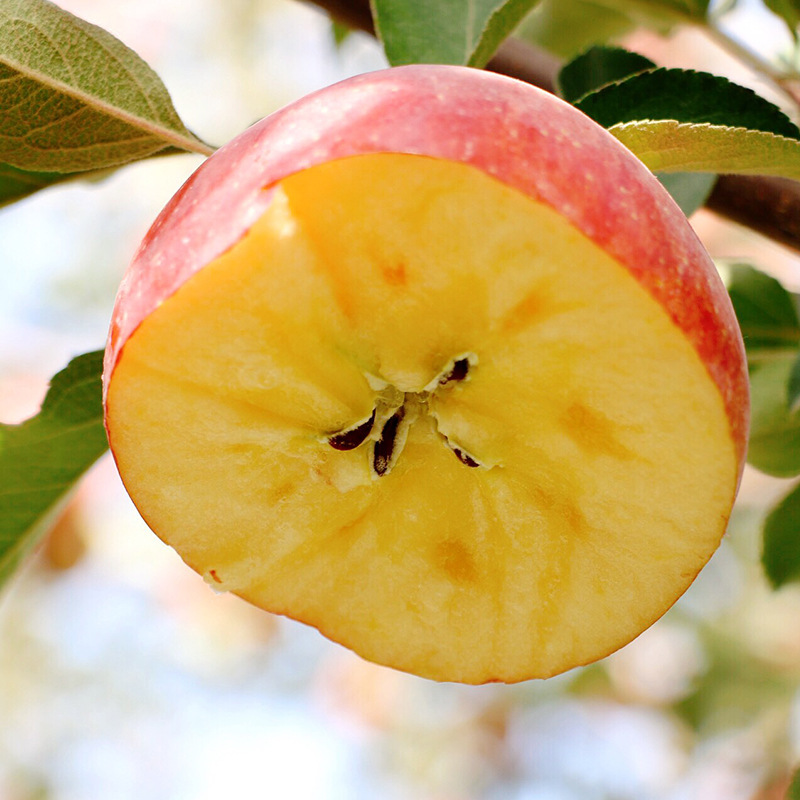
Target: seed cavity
462 455
352 437
387 427
457 372
464 458
383 454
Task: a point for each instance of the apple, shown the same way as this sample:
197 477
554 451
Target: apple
431 362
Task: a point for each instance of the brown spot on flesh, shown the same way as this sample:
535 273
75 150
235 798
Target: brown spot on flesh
559 506
594 432
395 275
454 559
534 308
281 491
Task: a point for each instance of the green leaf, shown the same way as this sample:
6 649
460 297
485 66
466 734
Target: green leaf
781 552
766 312
339 32
768 317
774 446
598 67
788 11
73 98
669 146
601 66
465 32
659 12
697 8
17 183
793 388
568 27
42 458
794 788
689 190
688 97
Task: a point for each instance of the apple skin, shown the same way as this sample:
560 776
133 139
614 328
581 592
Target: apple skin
523 136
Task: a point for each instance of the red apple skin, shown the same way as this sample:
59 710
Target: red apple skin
524 137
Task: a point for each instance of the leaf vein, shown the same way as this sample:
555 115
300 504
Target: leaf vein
183 141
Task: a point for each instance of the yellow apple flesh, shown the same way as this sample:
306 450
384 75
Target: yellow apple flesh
423 410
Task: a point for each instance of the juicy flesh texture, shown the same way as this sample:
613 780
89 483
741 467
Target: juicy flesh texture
606 470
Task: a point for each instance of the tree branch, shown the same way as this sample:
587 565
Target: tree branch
769 206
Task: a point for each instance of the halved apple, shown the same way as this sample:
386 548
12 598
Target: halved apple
429 361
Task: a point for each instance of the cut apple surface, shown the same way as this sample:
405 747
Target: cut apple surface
423 411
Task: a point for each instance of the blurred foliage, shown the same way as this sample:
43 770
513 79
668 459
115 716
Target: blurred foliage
41 459
794 788
788 11
569 27
465 32
735 689
781 530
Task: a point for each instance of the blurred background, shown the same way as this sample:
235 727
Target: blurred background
122 675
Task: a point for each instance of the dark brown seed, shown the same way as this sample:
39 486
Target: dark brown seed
458 372
464 458
349 440
384 447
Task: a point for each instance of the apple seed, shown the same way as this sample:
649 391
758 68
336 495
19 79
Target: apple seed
457 372
384 447
463 457
352 437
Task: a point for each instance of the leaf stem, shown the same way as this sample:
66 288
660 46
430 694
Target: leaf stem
194 145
